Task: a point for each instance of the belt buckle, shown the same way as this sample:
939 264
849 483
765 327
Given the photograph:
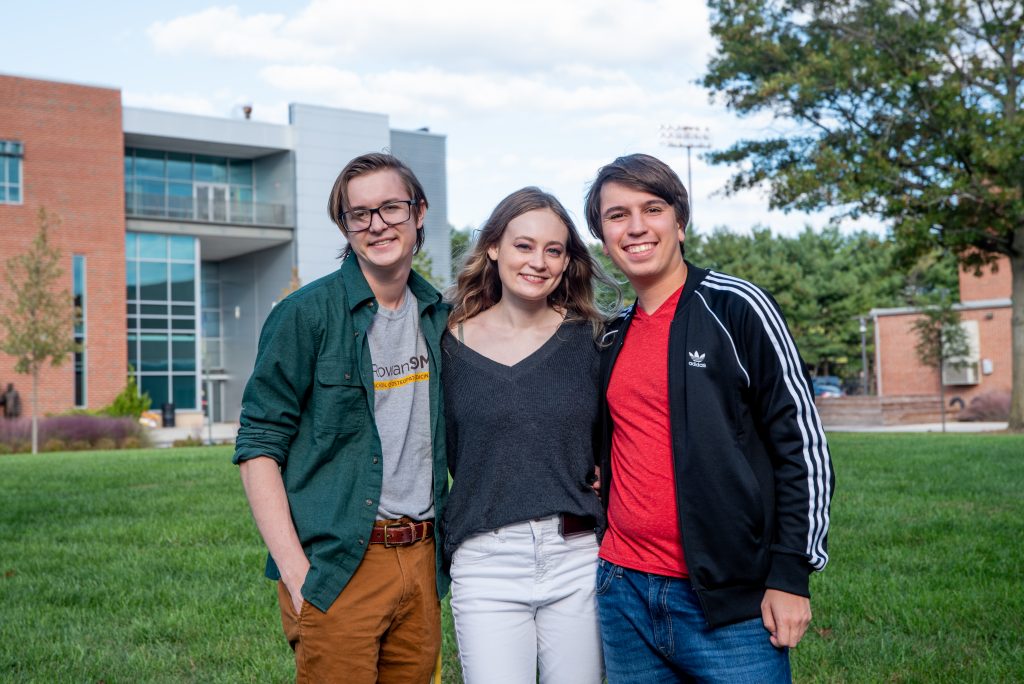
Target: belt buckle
387 544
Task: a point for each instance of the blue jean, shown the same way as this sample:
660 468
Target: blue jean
654 631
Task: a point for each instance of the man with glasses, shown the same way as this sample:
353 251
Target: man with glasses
341 446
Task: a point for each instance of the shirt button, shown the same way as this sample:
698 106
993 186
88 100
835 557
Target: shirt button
369 502
376 460
361 542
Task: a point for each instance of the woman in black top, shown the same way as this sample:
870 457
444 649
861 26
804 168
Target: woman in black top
520 378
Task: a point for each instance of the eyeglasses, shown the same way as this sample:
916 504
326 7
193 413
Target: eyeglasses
392 213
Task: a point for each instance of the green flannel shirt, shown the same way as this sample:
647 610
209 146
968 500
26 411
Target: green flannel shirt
309 405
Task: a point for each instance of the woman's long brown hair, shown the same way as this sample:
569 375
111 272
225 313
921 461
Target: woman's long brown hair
478 286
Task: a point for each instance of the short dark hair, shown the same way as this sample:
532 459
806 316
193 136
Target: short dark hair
640 172
371 163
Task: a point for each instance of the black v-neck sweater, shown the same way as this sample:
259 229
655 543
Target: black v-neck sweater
521 438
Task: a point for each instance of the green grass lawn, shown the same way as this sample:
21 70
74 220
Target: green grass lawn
146 566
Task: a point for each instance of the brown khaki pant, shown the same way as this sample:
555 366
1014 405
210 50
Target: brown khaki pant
384 627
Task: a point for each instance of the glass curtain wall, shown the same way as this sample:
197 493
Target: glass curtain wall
162 273
211 316
188 186
78 278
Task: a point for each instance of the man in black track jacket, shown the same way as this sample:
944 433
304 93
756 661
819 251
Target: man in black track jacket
714 469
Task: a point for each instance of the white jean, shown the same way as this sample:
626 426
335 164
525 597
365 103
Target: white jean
523 599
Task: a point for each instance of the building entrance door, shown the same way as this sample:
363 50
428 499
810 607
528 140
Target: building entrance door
213 398
212 202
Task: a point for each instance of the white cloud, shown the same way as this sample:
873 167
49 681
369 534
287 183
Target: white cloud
224 32
533 34
532 92
433 92
184 103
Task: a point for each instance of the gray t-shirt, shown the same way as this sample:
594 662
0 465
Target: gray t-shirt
401 383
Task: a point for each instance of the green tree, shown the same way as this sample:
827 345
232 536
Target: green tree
605 296
824 282
424 265
36 319
941 341
461 240
908 110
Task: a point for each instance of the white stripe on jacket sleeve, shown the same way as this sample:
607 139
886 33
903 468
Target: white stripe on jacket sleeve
814 451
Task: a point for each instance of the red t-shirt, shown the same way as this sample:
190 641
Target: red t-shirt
643 521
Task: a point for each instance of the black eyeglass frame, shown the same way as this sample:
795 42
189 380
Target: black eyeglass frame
344 215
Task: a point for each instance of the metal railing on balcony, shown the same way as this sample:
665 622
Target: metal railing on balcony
141 205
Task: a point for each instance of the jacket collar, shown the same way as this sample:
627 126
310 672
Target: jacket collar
694 277
358 292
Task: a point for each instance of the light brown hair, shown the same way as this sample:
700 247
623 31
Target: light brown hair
372 162
478 286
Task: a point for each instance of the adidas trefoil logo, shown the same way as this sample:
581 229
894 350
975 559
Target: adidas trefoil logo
697 359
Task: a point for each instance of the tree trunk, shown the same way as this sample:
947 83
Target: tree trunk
1017 332
942 393
35 410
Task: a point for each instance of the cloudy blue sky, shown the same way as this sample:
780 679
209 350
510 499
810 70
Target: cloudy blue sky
532 92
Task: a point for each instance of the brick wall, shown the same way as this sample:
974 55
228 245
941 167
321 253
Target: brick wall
902 374
989 285
74 167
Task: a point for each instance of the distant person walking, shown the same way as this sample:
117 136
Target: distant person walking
11 401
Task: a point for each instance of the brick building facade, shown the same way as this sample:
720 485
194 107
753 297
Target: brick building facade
985 310
179 233
71 164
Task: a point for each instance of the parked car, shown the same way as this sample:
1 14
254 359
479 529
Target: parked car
827 386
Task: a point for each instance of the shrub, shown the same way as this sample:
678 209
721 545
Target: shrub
105 444
129 403
5 448
131 443
54 445
989 406
75 432
191 441
81 412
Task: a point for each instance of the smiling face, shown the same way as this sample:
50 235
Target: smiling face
531 255
642 235
383 251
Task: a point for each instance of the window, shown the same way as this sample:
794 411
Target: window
188 186
211 316
11 153
965 370
78 275
162 315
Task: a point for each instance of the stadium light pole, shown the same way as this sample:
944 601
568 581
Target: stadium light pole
688 137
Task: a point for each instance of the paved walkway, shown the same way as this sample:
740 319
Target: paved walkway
223 433
951 426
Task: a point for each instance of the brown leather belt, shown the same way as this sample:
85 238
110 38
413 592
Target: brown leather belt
402 533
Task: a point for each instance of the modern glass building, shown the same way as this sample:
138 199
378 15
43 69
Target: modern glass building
215 218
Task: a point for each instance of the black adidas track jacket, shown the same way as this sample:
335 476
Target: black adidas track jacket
752 469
